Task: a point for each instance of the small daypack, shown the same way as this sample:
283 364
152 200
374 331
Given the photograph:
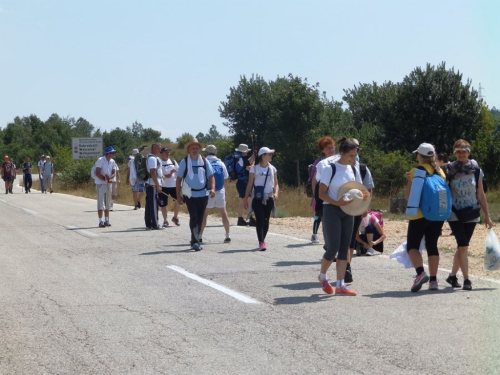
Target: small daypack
435 199
218 174
376 214
230 162
140 164
318 208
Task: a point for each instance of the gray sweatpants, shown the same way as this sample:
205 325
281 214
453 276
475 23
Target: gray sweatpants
337 230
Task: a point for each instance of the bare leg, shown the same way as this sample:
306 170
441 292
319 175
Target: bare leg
416 258
433 265
241 209
225 219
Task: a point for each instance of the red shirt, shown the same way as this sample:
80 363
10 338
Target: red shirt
8 168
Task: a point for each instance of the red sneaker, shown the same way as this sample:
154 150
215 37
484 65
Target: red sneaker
344 291
325 285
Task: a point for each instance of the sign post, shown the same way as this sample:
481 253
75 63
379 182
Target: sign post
86 148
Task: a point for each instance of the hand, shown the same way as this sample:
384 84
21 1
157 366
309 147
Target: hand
212 193
342 202
371 244
158 189
275 196
180 200
245 203
366 246
488 222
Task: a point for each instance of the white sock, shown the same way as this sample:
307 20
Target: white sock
228 235
340 283
322 276
106 219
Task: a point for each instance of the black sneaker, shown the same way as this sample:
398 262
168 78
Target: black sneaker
252 222
136 207
101 224
139 204
453 281
467 285
348 276
241 222
227 239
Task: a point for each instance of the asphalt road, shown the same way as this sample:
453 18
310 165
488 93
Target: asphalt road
77 299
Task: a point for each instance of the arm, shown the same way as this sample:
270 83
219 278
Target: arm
323 195
380 231
154 177
178 190
363 243
98 174
251 179
276 187
481 197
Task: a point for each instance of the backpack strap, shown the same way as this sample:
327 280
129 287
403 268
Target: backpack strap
362 170
477 173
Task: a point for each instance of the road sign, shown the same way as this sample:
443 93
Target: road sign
87 148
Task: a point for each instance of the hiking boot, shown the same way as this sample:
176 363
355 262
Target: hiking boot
370 252
467 285
175 220
252 222
227 239
262 246
433 285
101 224
241 222
344 291
314 238
453 281
419 281
326 286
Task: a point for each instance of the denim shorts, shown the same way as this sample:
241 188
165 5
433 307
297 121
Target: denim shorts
138 187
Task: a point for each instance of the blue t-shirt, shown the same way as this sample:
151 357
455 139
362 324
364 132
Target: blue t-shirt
195 183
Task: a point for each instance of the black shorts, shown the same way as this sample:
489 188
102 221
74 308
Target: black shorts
163 199
355 228
8 178
241 186
416 231
462 231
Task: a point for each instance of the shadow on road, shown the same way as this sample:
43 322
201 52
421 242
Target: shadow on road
307 244
238 251
299 300
422 293
169 252
296 263
298 286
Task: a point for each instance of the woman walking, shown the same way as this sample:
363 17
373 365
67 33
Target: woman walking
419 226
466 184
337 224
326 145
263 179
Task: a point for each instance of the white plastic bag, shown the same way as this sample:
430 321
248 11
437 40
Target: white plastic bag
491 251
401 254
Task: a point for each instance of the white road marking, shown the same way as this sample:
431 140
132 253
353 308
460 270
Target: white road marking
29 211
83 232
216 286
4 201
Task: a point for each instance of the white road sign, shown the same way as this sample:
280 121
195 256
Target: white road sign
87 148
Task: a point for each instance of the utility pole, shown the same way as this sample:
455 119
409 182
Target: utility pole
481 96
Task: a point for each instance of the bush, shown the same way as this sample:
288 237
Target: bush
76 174
388 171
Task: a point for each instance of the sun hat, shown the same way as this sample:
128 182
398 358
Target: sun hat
193 141
135 151
242 148
265 150
358 204
425 149
47 157
210 149
41 157
109 150
164 149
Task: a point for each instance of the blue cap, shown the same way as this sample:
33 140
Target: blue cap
109 150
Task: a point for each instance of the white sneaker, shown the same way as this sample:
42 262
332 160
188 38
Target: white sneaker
370 252
314 238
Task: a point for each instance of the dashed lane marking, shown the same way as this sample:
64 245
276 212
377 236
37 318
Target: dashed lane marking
220 288
83 232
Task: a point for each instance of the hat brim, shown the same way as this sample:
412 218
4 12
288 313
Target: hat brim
193 143
357 207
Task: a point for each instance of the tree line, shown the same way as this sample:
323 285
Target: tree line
432 104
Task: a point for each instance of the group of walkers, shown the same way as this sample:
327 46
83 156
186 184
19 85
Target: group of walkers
45 171
342 185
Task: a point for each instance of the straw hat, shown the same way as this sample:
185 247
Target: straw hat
358 205
192 142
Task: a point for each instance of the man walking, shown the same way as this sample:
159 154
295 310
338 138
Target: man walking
28 181
169 175
104 172
136 184
40 165
219 200
153 188
48 174
194 174
8 174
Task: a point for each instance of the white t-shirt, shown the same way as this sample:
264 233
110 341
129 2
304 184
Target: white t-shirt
167 166
106 168
260 177
343 174
154 162
40 166
367 181
116 170
132 173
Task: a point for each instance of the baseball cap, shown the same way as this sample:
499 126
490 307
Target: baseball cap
135 151
265 150
425 149
164 149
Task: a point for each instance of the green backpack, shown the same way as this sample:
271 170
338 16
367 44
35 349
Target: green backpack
140 163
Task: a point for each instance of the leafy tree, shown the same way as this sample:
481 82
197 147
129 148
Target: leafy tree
151 135
183 139
81 128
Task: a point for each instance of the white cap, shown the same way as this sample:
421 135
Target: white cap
425 149
135 151
210 149
265 150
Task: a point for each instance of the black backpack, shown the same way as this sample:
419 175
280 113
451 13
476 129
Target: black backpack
318 210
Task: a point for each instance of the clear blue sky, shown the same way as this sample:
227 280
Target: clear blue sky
168 64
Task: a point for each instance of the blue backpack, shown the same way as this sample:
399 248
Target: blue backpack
435 200
231 161
218 174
